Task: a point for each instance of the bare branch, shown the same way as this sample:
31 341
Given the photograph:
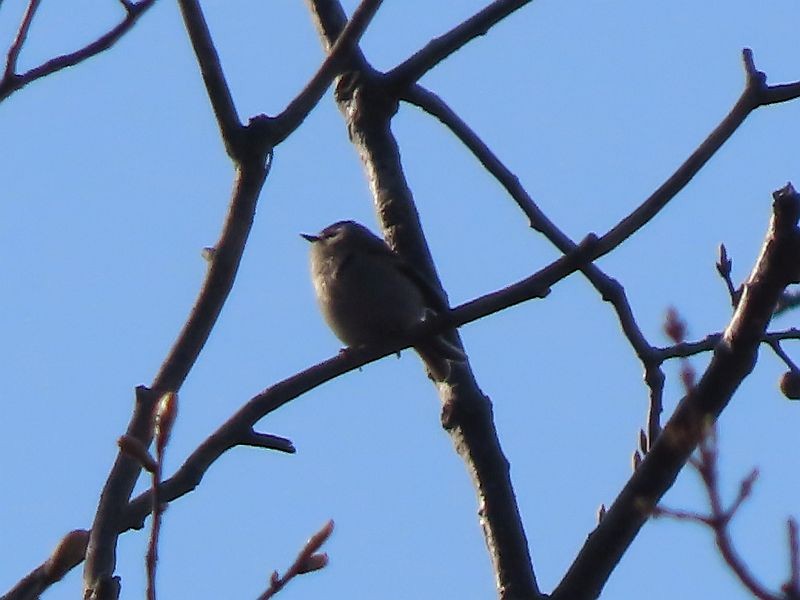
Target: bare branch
68 554
708 343
610 289
756 93
223 266
10 83
792 586
719 518
218 91
251 151
101 553
19 39
734 358
298 109
724 264
438 49
779 352
307 561
789 301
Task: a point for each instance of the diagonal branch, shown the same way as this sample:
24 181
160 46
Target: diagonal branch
251 148
299 108
19 39
438 49
12 82
251 153
756 94
610 289
734 358
224 263
217 87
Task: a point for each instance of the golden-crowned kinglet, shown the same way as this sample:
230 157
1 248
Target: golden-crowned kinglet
368 294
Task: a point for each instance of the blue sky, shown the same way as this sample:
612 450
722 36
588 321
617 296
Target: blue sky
114 179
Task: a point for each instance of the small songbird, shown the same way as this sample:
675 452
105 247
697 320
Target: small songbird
369 294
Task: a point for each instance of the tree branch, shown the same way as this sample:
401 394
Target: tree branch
19 39
299 108
412 69
251 153
756 93
223 266
217 87
67 555
610 289
12 82
237 430
718 519
734 358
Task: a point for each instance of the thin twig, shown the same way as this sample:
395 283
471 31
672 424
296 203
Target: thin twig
307 561
299 108
719 518
792 586
789 301
610 289
11 83
724 265
438 49
780 353
252 154
708 343
19 40
68 554
213 77
756 93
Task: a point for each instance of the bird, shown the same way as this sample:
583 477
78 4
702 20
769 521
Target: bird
368 294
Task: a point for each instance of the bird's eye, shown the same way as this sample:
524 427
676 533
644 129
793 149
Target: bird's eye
329 234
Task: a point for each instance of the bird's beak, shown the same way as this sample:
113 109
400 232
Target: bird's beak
310 238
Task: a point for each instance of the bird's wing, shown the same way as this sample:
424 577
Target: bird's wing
433 298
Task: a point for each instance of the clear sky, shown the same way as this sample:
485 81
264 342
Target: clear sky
114 179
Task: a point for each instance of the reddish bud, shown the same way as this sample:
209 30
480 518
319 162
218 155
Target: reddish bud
674 326
315 562
166 412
